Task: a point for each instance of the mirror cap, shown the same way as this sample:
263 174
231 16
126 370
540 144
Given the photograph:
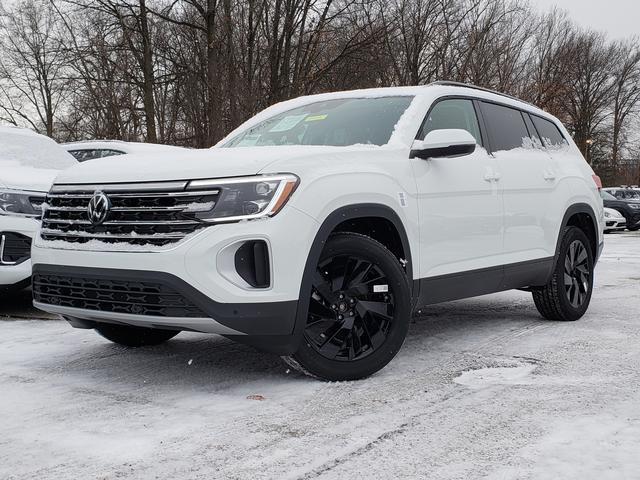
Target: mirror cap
444 143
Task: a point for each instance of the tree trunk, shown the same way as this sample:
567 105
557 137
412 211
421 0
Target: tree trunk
148 76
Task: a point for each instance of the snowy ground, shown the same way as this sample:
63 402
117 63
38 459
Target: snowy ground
483 388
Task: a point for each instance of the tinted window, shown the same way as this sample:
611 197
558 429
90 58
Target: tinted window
90 154
606 195
532 131
454 113
550 134
506 127
339 122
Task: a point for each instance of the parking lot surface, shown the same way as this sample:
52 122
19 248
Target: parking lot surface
483 388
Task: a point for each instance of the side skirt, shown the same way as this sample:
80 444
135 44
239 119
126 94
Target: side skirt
456 286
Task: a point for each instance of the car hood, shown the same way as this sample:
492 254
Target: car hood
613 212
26 178
189 165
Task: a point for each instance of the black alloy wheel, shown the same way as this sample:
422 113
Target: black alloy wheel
359 309
576 273
351 308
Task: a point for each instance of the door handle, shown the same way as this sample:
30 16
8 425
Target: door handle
490 175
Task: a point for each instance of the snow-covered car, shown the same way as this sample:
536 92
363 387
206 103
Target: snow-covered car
613 220
319 226
28 164
92 149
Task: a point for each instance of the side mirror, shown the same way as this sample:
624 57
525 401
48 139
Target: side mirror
444 143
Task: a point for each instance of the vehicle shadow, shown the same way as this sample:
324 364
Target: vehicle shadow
18 305
210 363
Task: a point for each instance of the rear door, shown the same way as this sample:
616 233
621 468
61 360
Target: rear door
459 201
527 180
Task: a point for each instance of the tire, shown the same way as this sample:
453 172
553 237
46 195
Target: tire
354 336
634 228
129 336
567 295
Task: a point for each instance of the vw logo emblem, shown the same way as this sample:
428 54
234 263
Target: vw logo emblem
98 208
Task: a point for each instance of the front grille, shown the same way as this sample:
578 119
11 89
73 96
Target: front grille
116 296
14 248
138 214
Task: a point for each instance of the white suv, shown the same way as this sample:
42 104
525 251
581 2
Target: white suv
318 227
28 164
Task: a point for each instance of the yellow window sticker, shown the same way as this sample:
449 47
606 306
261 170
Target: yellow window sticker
315 118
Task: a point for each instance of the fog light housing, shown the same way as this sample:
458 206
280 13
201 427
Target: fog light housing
252 263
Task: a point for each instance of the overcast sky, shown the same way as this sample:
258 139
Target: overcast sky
619 18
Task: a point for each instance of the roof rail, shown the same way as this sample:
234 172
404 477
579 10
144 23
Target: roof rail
449 83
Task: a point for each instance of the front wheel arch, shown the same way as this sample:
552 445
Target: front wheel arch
328 226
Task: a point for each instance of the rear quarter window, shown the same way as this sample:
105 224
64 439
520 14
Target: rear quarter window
550 133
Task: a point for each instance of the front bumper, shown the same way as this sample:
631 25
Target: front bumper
614 224
198 270
16 273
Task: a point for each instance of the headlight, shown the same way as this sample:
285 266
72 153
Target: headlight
245 198
21 203
635 206
607 214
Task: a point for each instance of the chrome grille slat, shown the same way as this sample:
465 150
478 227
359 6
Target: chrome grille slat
47 231
119 222
138 214
137 195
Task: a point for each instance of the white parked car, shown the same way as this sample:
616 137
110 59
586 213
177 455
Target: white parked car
613 220
92 149
319 226
28 164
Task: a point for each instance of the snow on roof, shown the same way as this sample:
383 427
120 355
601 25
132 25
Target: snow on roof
20 146
30 161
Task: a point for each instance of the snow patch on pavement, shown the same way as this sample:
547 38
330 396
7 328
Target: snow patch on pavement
485 377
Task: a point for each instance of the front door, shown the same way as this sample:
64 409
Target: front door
460 208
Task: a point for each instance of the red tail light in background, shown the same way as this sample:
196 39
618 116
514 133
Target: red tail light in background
597 181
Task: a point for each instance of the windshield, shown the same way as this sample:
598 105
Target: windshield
607 195
23 148
340 122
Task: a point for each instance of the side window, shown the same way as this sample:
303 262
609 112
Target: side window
550 134
506 127
533 134
452 113
109 153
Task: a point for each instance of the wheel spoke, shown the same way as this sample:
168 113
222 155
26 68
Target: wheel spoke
336 342
380 309
358 274
377 338
319 309
568 280
567 263
323 287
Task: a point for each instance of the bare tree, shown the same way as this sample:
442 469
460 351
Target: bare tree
626 95
33 65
